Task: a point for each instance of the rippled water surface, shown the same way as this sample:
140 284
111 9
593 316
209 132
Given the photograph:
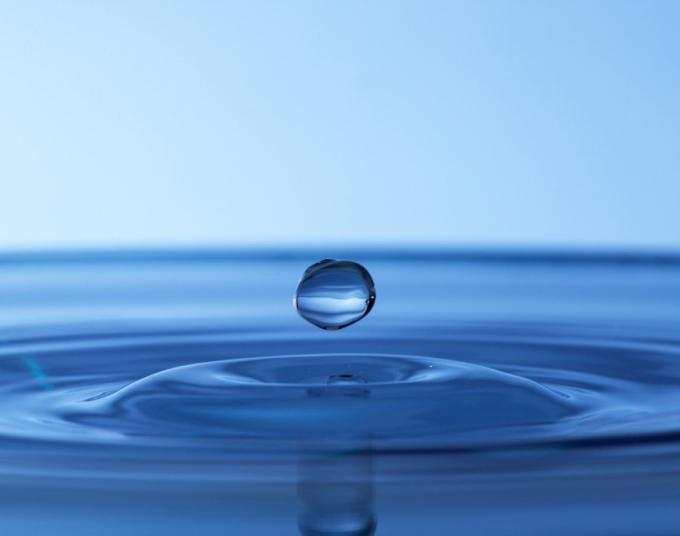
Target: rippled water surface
487 393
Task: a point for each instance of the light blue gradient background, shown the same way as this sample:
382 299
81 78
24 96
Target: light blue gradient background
204 123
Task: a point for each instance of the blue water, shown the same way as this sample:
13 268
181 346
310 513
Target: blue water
174 393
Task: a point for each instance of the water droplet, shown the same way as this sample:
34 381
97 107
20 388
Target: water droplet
334 294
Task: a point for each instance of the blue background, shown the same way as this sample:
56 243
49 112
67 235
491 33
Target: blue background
206 123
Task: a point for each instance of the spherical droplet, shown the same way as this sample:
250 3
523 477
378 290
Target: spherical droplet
334 294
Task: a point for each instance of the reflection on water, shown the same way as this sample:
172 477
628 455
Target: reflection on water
335 483
335 489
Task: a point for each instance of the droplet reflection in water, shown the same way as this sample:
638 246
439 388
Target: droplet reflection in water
335 484
335 490
334 294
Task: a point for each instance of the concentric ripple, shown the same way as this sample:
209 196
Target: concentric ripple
130 368
483 391
291 397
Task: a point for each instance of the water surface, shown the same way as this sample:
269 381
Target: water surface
487 392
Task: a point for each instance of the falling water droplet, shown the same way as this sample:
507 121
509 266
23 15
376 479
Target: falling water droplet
334 294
